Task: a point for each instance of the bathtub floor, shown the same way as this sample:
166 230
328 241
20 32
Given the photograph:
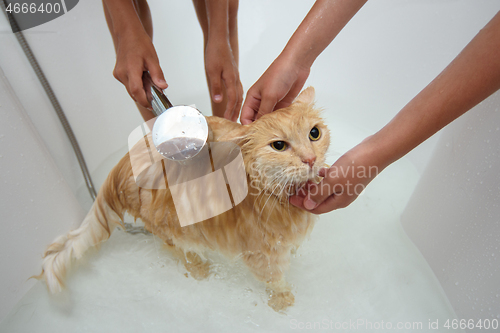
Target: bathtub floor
357 270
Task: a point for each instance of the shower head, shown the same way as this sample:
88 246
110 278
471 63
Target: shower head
179 132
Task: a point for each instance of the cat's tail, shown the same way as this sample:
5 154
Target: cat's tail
97 226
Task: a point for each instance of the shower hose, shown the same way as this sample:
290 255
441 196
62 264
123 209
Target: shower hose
53 99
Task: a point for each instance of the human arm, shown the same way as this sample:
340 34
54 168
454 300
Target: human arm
470 78
219 22
129 22
221 58
283 80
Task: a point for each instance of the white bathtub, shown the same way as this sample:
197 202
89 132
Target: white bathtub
384 56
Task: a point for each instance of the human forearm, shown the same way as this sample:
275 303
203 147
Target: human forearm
218 20
123 18
321 25
469 79
284 79
131 27
217 14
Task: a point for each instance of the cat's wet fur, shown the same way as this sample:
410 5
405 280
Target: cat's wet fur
262 230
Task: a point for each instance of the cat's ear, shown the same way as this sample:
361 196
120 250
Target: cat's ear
237 135
306 96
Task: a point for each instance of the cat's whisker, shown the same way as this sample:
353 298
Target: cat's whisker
279 186
278 182
263 193
278 199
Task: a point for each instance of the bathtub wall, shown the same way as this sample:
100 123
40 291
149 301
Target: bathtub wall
383 57
453 215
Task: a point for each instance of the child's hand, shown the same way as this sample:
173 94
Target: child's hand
222 70
343 182
276 89
136 54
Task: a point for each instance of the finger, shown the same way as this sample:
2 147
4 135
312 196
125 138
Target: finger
333 202
266 106
302 192
290 97
297 201
286 101
237 108
136 89
215 82
232 99
249 110
281 105
322 172
320 192
157 75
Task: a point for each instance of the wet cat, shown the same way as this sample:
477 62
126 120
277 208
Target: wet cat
281 151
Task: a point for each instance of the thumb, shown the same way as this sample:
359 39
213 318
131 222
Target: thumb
249 109
157 76
317 193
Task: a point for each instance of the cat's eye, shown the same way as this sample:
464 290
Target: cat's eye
315 134
279 145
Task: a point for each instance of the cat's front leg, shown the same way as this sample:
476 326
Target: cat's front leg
199 268
270 270
280 295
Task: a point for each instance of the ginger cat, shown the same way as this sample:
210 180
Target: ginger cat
281 152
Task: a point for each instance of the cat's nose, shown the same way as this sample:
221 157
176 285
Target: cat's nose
309 160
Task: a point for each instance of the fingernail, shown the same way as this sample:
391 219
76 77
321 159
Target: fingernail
309 204
217 98
162 81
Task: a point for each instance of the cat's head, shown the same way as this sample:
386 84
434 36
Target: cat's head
285 148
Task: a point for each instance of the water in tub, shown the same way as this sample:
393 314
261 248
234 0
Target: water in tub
356 270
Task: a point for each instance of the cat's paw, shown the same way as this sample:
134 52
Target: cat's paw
198 268
280 300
